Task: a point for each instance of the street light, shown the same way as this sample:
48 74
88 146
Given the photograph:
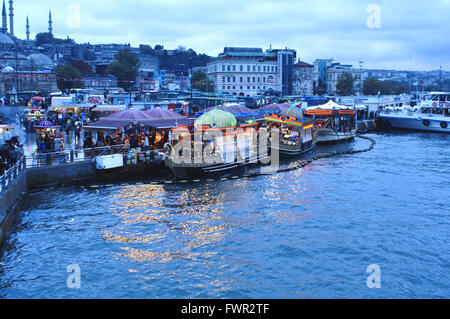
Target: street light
360 78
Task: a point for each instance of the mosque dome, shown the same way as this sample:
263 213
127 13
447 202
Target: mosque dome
5 39
8 69
40 59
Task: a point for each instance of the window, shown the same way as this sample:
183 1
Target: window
259 68
228 68
248 79
234 88
241 87
228 87
234 79
234 68
254 68
223 68
228 79
254 87
241 79
264 79
223 87
254 79
264 68
258 79
248 68
223 79
248 87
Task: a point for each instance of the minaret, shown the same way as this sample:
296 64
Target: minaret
4 23
11 18
50 27
28 29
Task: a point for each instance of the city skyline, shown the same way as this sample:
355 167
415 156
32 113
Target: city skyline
319 29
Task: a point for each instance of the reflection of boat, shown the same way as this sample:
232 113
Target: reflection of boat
335 123
219 144
432 115
295 136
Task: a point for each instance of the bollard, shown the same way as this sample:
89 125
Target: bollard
72 157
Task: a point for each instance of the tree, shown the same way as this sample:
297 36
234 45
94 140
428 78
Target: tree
88 55
372 86
68 77
199 81
44 38
125 68
320 88
345 85
82 66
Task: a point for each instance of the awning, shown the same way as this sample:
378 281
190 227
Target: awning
109 108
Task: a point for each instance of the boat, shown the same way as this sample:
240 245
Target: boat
215 145
430 115
334 123
295 137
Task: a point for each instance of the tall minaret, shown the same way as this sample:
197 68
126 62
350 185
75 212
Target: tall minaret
28 29
50 27
4 21
11 18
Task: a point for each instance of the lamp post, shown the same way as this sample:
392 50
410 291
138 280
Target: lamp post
360 78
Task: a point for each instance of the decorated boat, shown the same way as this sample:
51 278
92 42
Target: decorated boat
334 123
214 145
295 136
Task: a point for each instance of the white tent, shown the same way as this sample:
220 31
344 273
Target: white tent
331 105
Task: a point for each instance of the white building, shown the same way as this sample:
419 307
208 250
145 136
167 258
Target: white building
250 71
335 72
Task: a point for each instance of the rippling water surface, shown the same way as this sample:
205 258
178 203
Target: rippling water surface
308 233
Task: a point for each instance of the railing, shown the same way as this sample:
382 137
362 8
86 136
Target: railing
11 174
70 156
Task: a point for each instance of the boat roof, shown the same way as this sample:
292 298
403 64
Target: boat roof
331 105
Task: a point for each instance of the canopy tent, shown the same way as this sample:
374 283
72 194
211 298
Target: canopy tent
331 105
109 108
330 108
235 109
156 118
273 108
46 125
119 119
217 118
163 114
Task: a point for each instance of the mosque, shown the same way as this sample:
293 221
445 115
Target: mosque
35 67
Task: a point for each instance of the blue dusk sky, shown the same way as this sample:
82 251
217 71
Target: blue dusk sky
388 34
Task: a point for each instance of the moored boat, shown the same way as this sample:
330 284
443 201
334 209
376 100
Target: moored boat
431 115
334 123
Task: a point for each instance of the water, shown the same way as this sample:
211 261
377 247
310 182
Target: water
308 233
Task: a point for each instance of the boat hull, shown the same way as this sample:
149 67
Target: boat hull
417 123
293 150
328 136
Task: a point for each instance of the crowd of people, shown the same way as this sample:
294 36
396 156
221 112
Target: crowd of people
145 140
10 152
49 141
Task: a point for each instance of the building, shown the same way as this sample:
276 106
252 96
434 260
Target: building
303 83
98 82
23 81
252 72
335 72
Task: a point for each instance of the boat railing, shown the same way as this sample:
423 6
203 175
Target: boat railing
38 159
11 174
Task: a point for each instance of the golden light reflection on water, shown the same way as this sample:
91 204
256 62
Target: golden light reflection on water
169 224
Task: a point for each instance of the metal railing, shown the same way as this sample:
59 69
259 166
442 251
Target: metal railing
10 175
70 156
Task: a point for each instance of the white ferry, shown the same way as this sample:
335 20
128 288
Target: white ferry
431 115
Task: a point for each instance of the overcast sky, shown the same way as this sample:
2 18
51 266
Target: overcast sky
414 34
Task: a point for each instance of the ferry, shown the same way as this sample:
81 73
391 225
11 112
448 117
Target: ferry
227 143
295 136
334 123
431 115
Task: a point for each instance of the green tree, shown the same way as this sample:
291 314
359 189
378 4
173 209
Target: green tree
199 81
372 86
320 88
44 38
125 68
345 85
68 77
88 55
82 66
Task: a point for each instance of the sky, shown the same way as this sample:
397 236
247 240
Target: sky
384 34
